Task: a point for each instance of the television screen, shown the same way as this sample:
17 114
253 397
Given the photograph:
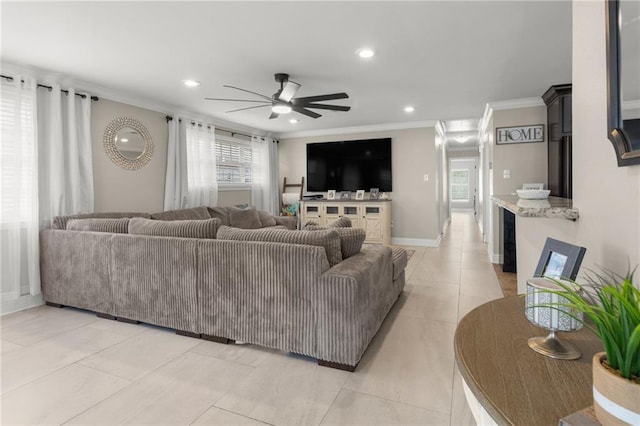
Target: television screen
349 165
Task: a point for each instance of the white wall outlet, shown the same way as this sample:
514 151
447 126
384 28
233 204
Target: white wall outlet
506 174
426 178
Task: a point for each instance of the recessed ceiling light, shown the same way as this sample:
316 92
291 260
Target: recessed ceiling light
462 139
191 83
409 109
365 52
281 109
124 140
293 121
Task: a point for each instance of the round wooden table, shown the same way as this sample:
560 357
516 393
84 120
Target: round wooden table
514 384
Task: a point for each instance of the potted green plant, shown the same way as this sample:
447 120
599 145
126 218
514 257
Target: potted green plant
610 304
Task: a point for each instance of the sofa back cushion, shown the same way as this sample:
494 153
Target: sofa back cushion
196 213
207 228
328 239
351 239
221 213
60 222
266 219
116 226
343 222
245 218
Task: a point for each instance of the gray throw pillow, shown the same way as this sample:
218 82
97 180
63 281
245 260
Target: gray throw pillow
196 213
244 218
351 239
60 222
343 222
116 226
206 228
221 213
266 219
328 239
311 224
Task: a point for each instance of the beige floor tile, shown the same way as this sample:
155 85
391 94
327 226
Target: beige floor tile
286 390
121 328
6 347
410 361
216 417
138 356
461 414
37 324
438 302
469 303
33 362
250 355
444 272
353 408
174 394
56 398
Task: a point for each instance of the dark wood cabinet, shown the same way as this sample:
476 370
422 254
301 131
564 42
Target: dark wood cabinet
509 241
559 172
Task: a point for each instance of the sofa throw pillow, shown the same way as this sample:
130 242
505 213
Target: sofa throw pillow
343 222
246 218
116 226
60 222
351 239
328 239
311 224
195 213
291 222
175 228
266 219
221 213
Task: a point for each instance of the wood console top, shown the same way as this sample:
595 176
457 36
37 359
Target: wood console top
514 384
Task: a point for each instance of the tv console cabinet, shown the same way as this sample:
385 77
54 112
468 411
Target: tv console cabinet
374 216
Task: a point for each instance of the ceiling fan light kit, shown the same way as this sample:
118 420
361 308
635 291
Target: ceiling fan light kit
283 101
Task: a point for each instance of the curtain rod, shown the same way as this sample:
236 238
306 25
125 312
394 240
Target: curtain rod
233 132
82 95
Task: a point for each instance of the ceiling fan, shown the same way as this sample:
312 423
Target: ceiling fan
283 101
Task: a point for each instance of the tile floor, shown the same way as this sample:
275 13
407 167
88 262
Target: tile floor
66 366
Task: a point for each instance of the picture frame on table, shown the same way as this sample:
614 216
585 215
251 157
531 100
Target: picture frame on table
331 194
360 194
345 195
374 193
559 260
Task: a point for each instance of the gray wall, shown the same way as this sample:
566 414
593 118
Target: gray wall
607 196
415 207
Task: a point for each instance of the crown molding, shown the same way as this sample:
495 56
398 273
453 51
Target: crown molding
516 103
358 129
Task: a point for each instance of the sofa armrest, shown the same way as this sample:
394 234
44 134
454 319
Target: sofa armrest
354 297
291 222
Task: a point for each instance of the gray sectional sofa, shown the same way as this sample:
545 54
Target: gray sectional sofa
274 287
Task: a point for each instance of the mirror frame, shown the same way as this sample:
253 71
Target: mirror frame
109 142
620 139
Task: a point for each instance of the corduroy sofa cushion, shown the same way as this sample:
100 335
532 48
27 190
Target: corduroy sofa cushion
266 219
60 222
196 213
343 222
206 228
399 258
116 226
351 239
245 218
221 213
328 239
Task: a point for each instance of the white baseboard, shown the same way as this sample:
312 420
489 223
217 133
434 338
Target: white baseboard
445 226
420 242
20 304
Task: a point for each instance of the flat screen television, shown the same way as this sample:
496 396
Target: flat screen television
349 165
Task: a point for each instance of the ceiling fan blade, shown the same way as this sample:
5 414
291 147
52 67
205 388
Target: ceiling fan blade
306 112
273 115
237 100
329 107
289 91
248 91
251 107
319 98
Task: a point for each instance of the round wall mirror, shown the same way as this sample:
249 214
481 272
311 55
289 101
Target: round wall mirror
128 143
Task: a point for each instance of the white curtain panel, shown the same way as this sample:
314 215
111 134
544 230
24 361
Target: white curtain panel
176 190
202 175
19 223
264 188
65 163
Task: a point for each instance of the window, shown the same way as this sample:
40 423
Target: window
459 184
234 160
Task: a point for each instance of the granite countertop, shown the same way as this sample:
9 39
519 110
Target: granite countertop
553 207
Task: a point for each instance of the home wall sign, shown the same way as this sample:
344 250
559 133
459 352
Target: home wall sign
520 134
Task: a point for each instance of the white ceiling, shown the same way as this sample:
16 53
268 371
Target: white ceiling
447 59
